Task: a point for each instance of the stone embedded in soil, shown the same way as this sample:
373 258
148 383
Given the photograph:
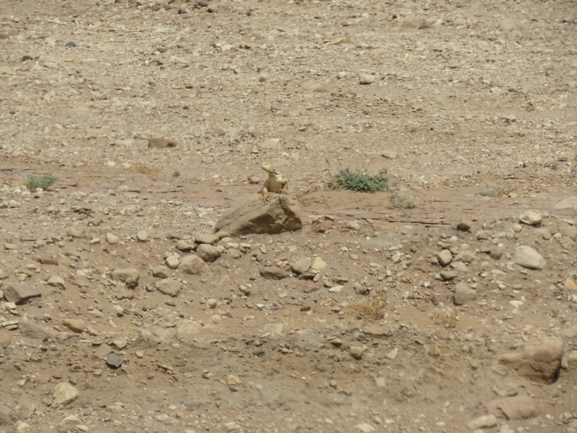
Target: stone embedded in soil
485 421
113 360
537 362
20 293
389 154
281 213
64 394
183 245
464 225
129 276
194 265
444 257
112 239
75 325
513 408
161 143
318 264
531 218
449 275
142 236
527 257
206 238
568 203
168 286
356 351
173 261
160 271
508 389
273 273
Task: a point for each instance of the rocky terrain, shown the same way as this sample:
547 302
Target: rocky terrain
124 310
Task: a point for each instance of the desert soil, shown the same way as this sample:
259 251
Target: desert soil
470 106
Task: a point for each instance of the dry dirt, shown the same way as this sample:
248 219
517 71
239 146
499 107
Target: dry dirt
472 102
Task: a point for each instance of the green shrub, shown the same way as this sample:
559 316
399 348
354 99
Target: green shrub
176 174
41 181
355 182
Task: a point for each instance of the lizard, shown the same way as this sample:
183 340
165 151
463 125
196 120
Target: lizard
275 182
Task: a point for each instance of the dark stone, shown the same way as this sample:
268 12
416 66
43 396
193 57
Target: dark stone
19 293
71 44
113 360
273 273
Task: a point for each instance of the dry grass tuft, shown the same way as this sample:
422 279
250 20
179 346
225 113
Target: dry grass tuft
143 169
373 309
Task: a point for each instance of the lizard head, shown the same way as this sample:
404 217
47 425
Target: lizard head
268 168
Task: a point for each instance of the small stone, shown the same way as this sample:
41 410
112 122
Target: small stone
76 232
129 276
380 382
194 265
531 218
389 154
211 303
496 253
449 275
444 257
463 294
301 266
112 239
49 261
465 225
56 281
161 143
365 428
71 44
527 257
570 284
64 394
183 245
485 421
120 343
318 264
204 238
113 360
233 380
506 390
142 236
356 351
75 325
488 192
366 79
353 225
208 253
169 287
172 261
160 272
273 273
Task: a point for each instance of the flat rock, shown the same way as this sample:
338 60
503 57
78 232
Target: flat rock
64 394
485 421
20 293
113 360
168 286
161 143
513 408
273 273
531 218
538 362
187 328
389 154
527 257
142 236
206 238
56 281
318 264
38 332
112 239
568 203
183 245
160 272
281 213
194 265
128 276
449 275
75 325
208 253
173 261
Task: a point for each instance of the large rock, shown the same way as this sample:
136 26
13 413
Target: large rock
193 265
537 362
128 276
568 203
64 393
528 258
513 408
250 215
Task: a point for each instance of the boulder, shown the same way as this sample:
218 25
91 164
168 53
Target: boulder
538 362
513 408
281 213
194 265
528 258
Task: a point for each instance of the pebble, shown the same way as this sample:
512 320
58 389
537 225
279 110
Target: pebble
444 257
64 393
168 286
173 262
204 238
465 225
353 225
389 154
463 294
113 360
366 79
75 325
211 303
301 266
449 275
160 271
485 421
56 281
531 218
183 245
111 239
142 236
356 351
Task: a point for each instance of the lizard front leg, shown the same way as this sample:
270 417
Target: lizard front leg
284 188
265 194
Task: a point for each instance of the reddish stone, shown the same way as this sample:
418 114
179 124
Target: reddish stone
308 286
19 293
305 308
323 227
273 273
